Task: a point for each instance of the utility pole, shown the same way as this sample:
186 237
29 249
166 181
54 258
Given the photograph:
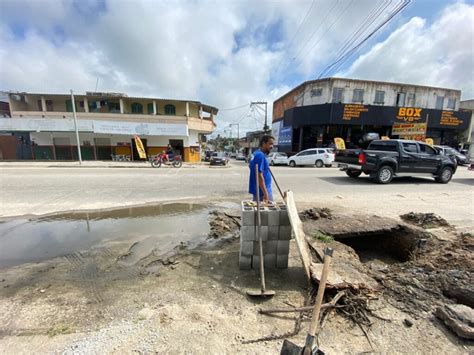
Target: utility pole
75 128
265 127
238 132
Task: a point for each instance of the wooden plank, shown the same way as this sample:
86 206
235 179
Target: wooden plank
300 236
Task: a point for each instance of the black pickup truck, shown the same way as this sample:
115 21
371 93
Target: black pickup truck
385 159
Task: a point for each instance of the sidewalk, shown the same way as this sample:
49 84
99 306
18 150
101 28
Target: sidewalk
87 164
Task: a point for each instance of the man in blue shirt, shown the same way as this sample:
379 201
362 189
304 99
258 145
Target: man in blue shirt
265 178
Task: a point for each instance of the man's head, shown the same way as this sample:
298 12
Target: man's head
266 144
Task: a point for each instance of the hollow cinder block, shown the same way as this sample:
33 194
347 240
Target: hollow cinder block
263 233
269 247
283 247
246 248
247 233
282 261
248 216
269 261
245 262
263 216
284 219
273 232
256 262
273 216
284 233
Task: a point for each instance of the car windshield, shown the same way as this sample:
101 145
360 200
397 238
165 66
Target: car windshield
218 155
282 155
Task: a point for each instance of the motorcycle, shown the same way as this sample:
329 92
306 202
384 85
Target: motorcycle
159 159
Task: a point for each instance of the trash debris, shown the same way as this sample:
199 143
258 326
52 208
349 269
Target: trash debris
315 213
425 220
222 224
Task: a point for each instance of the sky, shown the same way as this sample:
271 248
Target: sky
228 53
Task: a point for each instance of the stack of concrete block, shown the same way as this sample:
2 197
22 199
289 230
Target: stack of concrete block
275 234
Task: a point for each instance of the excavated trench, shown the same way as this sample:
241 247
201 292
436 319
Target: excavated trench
385 246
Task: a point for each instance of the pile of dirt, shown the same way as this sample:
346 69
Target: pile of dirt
437 269
425 220
223 224
315 213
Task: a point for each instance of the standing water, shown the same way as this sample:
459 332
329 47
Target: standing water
159 227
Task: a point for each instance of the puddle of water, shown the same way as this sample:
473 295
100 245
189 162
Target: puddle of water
161 227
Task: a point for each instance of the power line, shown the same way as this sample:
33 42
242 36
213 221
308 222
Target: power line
234 108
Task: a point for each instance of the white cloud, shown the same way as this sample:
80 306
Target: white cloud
213 51
440 54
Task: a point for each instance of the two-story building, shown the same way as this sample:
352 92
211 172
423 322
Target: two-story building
43 126
317 111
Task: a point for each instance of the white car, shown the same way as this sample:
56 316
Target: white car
314 156
278 159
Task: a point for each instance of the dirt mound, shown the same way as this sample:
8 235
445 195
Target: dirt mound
425 220
223 224
315 213
424 283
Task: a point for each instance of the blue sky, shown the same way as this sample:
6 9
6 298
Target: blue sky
225 53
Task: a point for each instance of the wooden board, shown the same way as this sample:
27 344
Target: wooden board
300 236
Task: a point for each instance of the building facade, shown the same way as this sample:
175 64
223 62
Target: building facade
315 112
43 128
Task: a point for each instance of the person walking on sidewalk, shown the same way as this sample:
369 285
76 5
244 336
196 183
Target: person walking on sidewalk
265 177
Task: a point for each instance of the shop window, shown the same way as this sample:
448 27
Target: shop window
150 108
137 107
451 103
170 110
49 105
401 99
439 102
114 107
358 95
69 105
337 94
379 97
40 107
411 99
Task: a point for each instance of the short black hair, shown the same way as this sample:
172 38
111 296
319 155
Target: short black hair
265 139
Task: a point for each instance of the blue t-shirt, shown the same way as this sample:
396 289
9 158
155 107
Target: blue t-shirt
260 159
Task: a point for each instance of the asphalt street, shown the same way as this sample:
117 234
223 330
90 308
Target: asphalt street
40 189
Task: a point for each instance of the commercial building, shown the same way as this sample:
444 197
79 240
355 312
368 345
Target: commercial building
41 126
315 112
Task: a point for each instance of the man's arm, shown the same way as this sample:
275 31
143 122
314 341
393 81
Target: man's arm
261 183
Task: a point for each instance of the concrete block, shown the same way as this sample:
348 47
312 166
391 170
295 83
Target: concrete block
248 216
263 233
245 262
263 216
282 261
273 216
256 262
269 261
284 233
283 247
284 219
247 233
246 248
269 247
273 232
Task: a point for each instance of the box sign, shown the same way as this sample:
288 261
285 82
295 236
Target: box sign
409 114
107 127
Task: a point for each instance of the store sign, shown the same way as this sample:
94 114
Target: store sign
448 119
340 144
408 129
409 114
276 127
286 135
107 127
353 111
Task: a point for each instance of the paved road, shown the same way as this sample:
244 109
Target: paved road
40 190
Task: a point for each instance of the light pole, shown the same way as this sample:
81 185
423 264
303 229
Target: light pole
238 132
75 128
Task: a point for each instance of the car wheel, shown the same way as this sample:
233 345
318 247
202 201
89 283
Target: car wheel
319 163
445 176
328 165
353 173
292 163
384 175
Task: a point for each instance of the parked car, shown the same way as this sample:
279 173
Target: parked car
385 159
219 158
314 156
460 158
232 155
240 156
278 159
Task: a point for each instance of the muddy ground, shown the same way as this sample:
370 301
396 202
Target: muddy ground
194 301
